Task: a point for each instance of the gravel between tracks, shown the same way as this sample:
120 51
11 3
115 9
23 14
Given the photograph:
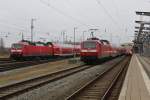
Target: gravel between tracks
17 75
62 88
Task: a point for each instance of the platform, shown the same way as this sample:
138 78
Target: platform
137 83
145 61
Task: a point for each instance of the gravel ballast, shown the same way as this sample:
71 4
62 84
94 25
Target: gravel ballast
60 89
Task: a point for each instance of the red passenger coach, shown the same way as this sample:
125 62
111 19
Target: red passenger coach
65 49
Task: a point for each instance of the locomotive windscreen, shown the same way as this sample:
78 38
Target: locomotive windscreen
17 46
91 45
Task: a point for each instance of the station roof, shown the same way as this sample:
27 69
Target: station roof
143 13
144 28
142 22
143 31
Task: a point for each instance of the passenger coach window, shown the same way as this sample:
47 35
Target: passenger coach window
91 45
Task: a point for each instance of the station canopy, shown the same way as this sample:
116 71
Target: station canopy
143 22
144 28
143 13
142 31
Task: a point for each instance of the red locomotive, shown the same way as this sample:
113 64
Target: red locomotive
26 49
94 49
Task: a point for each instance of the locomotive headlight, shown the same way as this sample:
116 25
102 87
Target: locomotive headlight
92 51
13 50
19 50
83 50
16 50
88 50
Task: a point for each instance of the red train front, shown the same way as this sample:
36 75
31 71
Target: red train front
94 49
90 50
17 50
26 49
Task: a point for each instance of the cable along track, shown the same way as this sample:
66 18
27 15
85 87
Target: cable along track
10 65
102 86
15 64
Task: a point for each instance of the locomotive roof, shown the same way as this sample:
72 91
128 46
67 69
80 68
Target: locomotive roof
93 38
106 41
26 42
97 39
101 41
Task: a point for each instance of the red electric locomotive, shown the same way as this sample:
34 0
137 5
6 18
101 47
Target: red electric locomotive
26 49
94 49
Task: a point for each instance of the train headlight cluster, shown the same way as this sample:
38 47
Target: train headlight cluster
16 50
88 50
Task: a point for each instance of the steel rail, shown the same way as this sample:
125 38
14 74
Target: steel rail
79 91
21 64
15 65
4 59
114 81
22 87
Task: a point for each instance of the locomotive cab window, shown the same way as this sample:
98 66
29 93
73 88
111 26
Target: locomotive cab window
91 45
38 44
17 46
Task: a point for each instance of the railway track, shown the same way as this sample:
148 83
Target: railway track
10 65
22 87
105 86
14 65
7 61
4 59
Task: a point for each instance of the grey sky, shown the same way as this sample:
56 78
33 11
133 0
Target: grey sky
15 16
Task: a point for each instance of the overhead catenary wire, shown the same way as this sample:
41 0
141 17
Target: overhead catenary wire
108 14
73 18
4 23
116 8
63 13
101 5
14 27
12 24
117 11
19 27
